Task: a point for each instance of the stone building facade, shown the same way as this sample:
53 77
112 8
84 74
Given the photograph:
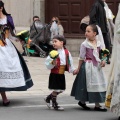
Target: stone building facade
24 10
67 10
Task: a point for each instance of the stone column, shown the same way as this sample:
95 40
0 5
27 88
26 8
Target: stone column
39 9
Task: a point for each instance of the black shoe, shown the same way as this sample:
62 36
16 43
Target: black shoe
119 118
47 101
100 109
6 103
83 106
56 107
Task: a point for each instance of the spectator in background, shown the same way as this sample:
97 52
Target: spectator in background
35 18
56 28
110 17
98 17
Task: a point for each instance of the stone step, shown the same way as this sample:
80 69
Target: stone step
71 41
73 45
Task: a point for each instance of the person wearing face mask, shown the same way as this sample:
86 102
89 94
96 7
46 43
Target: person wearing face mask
56 28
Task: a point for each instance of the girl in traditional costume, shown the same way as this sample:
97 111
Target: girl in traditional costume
90 83
58 61
14 74
113 90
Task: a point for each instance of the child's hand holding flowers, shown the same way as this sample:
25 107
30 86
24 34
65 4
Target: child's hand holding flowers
54 54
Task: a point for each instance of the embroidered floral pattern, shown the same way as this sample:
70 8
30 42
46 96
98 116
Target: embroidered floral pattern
11 75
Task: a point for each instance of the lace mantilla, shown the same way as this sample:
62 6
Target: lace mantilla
11 75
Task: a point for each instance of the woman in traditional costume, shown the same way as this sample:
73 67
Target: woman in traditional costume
14 74
114 74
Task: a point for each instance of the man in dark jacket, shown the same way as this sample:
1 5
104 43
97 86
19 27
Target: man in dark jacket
98 17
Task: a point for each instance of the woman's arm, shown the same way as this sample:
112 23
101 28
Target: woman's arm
10 22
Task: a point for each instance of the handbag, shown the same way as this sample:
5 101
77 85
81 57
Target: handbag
84 23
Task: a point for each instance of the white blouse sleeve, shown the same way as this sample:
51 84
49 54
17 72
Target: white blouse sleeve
82 52
48 63
71 67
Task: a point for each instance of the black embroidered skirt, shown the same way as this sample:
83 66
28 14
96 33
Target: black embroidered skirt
57 82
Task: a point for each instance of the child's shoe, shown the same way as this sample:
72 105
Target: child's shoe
58 108
102 109
6 103
84 106
55 105
47 101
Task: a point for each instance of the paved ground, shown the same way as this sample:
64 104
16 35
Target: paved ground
30 108
29 105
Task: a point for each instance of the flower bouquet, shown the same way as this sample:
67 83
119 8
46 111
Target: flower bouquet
104 53
54 54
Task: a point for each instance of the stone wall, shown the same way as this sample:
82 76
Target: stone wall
24 10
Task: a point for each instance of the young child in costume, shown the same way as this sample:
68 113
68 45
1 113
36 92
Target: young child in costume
58 61
90 83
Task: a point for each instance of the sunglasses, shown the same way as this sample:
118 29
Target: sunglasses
55 21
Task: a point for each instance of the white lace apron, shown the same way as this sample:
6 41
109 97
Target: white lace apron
11 73
95 79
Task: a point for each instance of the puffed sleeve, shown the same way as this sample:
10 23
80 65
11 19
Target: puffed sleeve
82 52
71 68
48 63
10 21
